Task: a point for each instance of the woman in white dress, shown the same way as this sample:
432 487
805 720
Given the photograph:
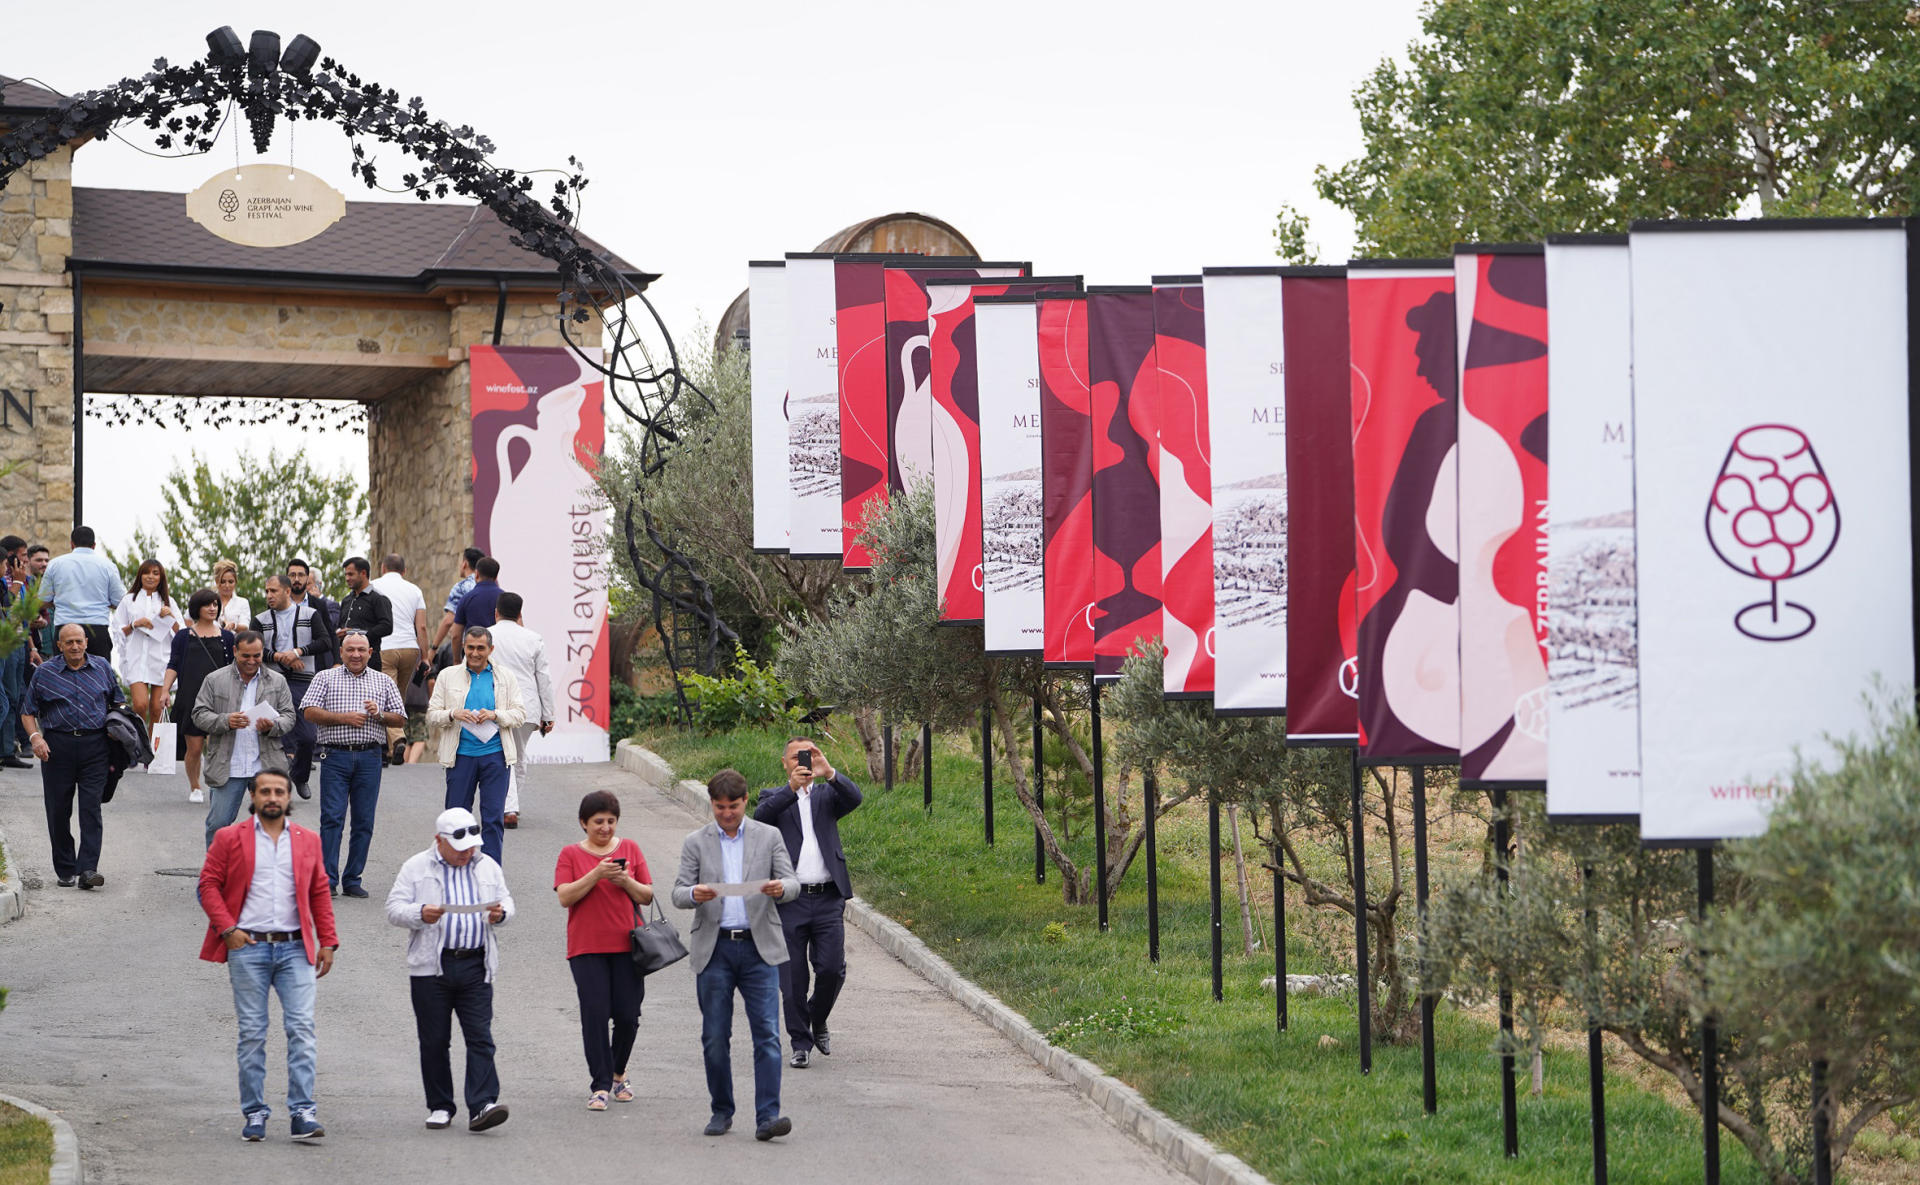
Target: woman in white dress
236 613
145 623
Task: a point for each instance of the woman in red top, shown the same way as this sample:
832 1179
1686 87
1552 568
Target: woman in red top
601 880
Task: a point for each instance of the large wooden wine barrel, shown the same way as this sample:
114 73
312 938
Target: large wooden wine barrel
920 234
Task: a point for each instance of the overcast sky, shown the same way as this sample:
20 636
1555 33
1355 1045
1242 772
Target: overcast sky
1116 139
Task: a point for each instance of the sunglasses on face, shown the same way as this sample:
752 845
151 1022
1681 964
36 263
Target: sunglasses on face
461 832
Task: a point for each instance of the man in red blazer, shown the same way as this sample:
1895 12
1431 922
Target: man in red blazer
270 920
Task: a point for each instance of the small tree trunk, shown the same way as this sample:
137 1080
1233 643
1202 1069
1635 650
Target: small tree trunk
1073 883
1539 1074
1247 940
866 723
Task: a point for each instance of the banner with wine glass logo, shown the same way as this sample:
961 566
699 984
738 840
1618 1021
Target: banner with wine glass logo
767 373
1771 405
1593 672
813 409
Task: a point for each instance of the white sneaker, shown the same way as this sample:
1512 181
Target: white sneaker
196 796
439 1119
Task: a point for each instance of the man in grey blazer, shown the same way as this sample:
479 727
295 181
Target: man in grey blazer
732 871
239 708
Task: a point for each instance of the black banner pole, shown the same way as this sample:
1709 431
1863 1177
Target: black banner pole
1429 1086
1039 796
926 766
986 768
1363 975
1213 887
886 747
1153 866
1596 1057
1099 807
1509 1102
1709 1047
1279 943
1822 1126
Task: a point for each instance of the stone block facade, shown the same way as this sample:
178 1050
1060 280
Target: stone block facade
344 325
36 352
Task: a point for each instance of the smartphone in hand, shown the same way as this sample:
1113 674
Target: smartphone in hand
805 757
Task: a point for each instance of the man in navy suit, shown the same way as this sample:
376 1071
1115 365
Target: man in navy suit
808 810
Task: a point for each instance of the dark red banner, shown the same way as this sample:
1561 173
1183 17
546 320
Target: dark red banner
909 365
1126 475
1401 336
955 386
860 314
1186 487
1321 704
1066 480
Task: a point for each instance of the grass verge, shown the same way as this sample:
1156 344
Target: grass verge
1292 1104
26 1148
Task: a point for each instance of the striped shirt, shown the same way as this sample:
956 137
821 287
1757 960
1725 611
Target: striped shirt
338 689
463 931
62 699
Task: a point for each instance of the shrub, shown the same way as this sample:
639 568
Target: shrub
753 694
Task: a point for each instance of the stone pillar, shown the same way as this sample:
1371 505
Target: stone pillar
420 444
36 352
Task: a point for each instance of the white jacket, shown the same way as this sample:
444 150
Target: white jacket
450 695
422 882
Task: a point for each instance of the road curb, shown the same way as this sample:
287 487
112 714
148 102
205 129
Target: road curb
13 890
66 1148
1182 1147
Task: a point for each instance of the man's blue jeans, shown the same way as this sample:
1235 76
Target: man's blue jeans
256 971
13 691
348 777
739 965
223 804
488 774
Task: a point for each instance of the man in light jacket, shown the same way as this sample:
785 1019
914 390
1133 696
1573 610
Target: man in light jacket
473 712
451 960
242 739
521 651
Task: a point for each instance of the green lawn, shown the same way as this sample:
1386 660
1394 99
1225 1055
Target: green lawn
1295 1110
26 1148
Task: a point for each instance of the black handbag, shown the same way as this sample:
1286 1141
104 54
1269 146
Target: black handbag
656 944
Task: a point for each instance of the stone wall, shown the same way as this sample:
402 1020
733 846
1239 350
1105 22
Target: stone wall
36 352
250 321
420 447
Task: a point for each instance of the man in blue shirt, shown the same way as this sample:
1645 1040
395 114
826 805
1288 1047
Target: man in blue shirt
455 595
474 710
84 589
481 605
66 717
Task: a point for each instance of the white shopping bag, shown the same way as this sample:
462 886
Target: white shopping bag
163 745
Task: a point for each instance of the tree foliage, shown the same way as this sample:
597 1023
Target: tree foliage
1515 121
261 513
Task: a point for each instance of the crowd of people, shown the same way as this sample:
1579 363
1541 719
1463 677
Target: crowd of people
309 680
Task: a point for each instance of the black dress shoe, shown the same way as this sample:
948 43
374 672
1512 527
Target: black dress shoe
354 891
300 788
800 1060
12 762
65 882
778 1127
823 1041
91 880
718 1125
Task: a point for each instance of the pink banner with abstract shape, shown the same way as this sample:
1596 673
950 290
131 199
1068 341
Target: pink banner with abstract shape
1126 483
1186 491
909 361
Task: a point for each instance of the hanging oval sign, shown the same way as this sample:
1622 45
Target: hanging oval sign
266 205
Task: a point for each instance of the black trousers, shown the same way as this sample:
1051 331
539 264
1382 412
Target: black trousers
76 769
99 641
460 988
816 929
298 742
611 990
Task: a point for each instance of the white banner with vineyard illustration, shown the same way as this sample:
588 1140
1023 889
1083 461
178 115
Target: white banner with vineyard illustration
813 409
767 369
1771 394
1246 418
1011 545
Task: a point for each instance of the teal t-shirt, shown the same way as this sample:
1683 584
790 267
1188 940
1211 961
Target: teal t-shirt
479 697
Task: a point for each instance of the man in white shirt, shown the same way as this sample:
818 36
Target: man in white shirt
808 810
521 651
228 711
400 654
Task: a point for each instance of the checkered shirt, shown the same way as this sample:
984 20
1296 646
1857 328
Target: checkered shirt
338 689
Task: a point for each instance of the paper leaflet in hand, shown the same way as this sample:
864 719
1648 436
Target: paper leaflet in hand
483 731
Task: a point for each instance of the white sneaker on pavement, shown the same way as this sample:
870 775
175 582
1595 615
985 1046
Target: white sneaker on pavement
439 1119
196 795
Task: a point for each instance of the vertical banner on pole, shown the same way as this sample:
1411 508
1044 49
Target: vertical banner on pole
909 438
813 409
1593 674
1771 403
1401 337
1126 478
1066 480
1321 671
860 334
954 366
767 372
1186 487
1011 536
538 427
1246 410
1500 315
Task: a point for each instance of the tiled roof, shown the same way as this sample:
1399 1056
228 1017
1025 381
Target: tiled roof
24 96
420 245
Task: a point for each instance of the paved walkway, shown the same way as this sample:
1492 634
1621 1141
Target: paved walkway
114 1022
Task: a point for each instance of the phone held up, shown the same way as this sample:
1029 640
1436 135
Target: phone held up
806 759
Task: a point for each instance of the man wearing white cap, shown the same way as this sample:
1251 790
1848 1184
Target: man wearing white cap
451 896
